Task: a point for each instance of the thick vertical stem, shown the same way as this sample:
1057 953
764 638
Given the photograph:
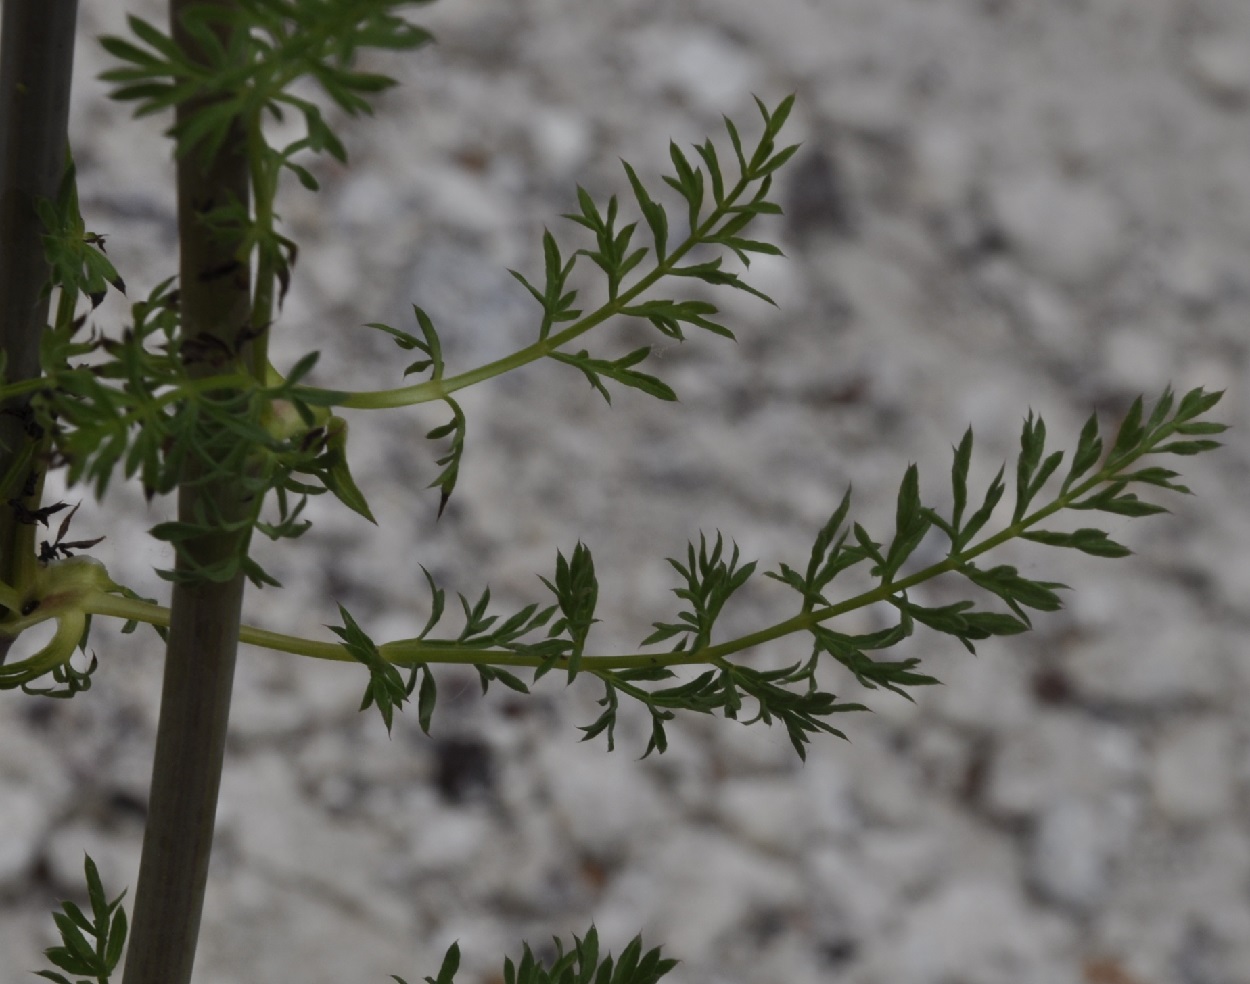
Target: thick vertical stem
204 626
36 63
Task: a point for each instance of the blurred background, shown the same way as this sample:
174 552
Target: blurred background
999 206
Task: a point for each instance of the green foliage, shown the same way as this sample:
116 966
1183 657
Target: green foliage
580 965
733 208
173 412
251 53
132 405
387 689
793 696
91 946
577 592
139 406
710 581
75 255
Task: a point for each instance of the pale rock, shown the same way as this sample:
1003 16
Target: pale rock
33 765
686 775
262 812
889 793
264 931
337 281
528 864
830 804
366 200
560 140
703 66
785 955
447 839
25 932
1073 232
329 691
1151 664
985 692
1193 272
770 813
266 703
866 104
1220 64
1097 609
970 930
758 749
1054 321
944 159
1137 360
698 886
848 883
1068 861
460 198
24 818
602 801
1192 775
1045 760
115 853
911 860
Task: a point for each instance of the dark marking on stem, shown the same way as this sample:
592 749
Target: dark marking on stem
221 270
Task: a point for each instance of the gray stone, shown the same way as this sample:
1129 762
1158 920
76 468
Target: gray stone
702 886
1220 64
1054 757
971 930
773 814
24 819
1192 775
601 802
115 853
1068 857
1148 665
1073 232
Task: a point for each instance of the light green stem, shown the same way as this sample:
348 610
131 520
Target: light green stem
437 389
412 651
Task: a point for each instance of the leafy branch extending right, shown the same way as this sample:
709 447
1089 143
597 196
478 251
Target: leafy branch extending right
710 575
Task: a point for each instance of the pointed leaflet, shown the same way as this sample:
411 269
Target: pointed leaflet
1017 591
1129 435
993 495
386 687
688 182
825 562
959 481
431 346
708 153
455 429
577 592
668 316
711 273
1031 471
1088 452
1090 541
337 477
652 212
619 370
911 523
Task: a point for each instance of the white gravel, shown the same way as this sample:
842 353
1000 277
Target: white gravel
999 206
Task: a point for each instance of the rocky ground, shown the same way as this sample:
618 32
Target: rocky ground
999 206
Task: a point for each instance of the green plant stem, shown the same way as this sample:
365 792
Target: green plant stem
36 64
408 652
215 300
437 389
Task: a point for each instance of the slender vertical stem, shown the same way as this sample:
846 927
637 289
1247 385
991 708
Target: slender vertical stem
36 63
204 626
